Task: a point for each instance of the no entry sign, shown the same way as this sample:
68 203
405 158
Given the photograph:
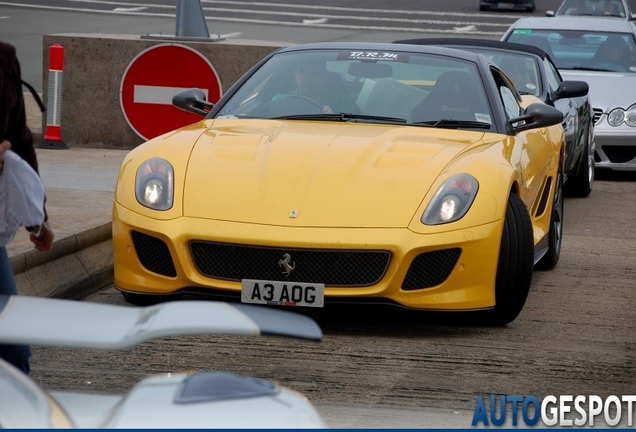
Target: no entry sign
153 77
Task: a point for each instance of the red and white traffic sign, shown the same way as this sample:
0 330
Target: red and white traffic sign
153 77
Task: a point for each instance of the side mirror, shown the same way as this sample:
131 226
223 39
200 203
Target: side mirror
549 13
192 100
537 115
633 17
571 89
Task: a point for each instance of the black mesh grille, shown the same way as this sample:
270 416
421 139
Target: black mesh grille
153 254
620 154
331 267
430 269
597 114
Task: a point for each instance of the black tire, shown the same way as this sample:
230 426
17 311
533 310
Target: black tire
148 299
555 235
582 183
516 258
483 8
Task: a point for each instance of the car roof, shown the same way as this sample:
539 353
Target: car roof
370 46
625 4
610 25
485 43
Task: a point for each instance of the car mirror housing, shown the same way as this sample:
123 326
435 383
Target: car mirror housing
536 115
571 89
633 17
549 13
192 100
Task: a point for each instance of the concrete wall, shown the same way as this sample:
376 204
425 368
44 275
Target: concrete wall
94 65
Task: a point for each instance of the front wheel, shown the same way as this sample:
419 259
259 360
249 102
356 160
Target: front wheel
516 258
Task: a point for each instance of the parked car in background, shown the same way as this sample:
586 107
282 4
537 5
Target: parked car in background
508 5
600 8
533 73
339 172
601 52
182 400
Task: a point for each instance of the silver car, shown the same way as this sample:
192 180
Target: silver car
602 52
604 8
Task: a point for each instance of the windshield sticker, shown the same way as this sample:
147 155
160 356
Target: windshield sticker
531 86
522 31
483 118
374 56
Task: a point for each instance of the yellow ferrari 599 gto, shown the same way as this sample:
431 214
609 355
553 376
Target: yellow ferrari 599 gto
412 175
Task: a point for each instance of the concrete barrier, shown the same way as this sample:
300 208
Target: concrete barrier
75 267
94 65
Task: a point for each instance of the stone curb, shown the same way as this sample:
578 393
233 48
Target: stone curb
75 267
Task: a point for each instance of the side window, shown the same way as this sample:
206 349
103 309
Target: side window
509 95
554 80
510 103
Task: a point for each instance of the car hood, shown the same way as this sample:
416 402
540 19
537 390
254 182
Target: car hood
316 174
607 90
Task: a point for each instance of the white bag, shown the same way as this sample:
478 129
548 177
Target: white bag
21 197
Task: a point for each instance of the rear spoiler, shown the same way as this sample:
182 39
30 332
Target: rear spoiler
71 323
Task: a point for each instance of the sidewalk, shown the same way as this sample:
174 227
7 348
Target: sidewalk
79 189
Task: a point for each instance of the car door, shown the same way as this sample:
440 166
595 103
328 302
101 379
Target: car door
573 119
531 150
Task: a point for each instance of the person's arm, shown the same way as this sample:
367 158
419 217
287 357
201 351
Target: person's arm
42 237
14 128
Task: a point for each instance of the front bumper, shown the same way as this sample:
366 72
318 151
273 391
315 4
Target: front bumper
615 146
468 286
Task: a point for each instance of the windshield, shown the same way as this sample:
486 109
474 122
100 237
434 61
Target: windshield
386 87
522 70
612 8
584 50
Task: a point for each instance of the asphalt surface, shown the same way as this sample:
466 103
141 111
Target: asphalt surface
382 366
24 22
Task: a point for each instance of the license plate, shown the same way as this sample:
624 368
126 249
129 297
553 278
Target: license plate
506 5
282 293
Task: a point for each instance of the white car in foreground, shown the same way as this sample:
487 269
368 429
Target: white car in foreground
182 400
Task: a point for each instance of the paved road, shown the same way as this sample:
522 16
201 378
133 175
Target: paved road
24 22
384 367
381 367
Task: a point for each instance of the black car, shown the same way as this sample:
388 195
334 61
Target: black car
533 73
522 5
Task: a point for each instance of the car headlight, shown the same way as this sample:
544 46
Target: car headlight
630 116
616 117
452 200
154 184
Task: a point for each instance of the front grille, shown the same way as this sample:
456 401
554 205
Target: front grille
620 154
597 114
343 268
597 158
430 269
153 254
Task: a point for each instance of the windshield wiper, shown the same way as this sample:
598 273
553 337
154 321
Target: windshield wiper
341 117
451 123
583 68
